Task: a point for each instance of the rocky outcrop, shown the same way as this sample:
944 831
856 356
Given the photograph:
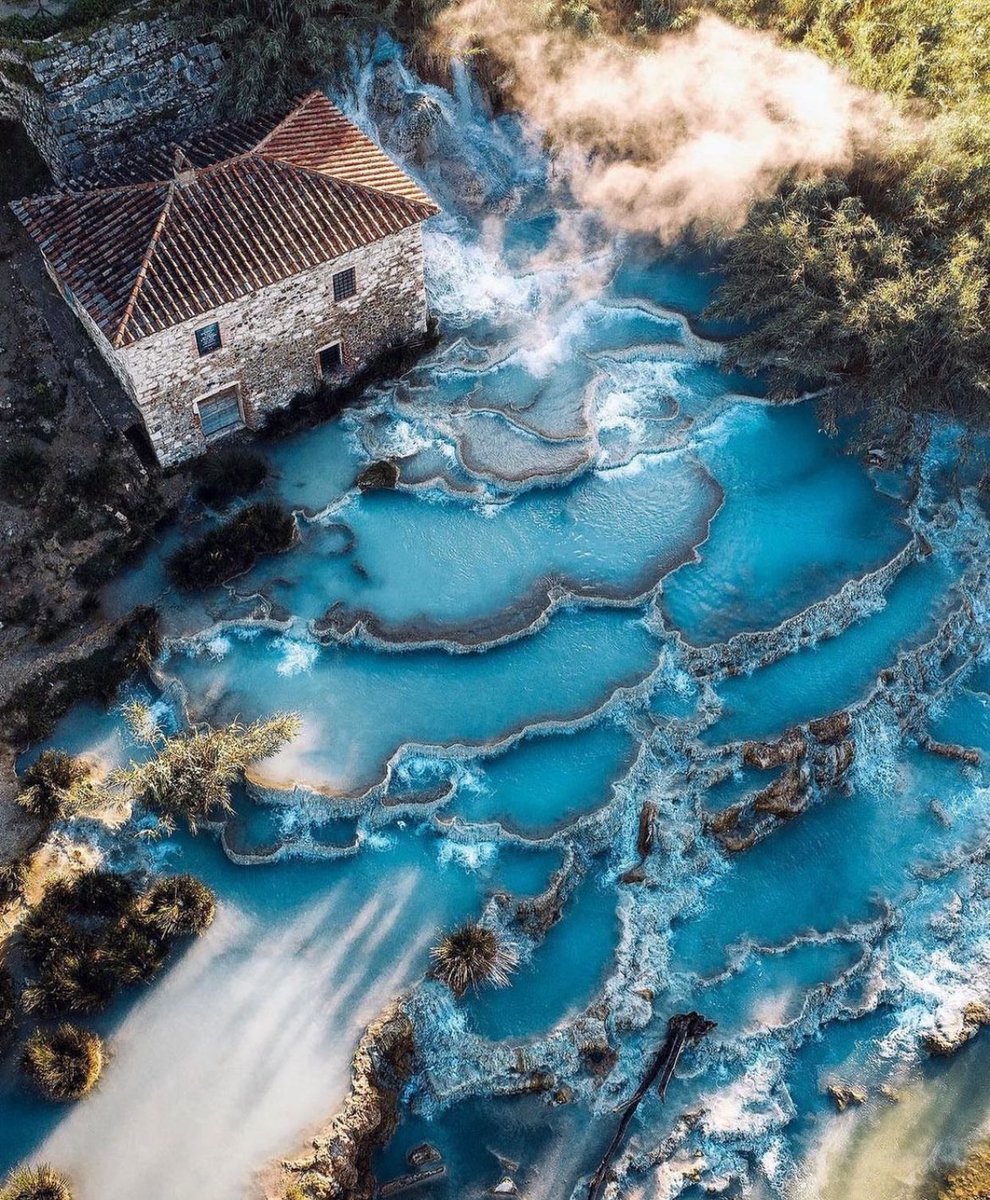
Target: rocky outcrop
844 1095
765 756
941 1041
340 1167
813 759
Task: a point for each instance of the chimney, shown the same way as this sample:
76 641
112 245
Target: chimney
182 169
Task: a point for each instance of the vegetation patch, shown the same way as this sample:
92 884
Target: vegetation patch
179 906
63 1063
190 775
53 785
35 705
274 52
35 1183
234 547
473 956
92 935
231 472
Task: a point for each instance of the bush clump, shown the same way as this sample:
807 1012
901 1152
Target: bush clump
472 956
179 906
190 775
53 785
63 1063
234 547
35 1183
233 471
92 935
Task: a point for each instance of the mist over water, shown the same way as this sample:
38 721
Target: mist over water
606 563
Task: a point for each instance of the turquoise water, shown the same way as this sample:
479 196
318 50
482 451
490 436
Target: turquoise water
497 665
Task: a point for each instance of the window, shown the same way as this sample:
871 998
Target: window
221 411
344 284
331 359
208 339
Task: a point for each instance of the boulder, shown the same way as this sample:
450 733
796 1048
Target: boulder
940 1041
843 1095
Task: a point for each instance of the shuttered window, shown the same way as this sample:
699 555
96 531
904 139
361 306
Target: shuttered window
220 412
344 284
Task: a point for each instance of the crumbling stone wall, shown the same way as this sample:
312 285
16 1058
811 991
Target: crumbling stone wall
83 101
271 339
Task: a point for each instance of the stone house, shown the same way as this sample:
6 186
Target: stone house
221 278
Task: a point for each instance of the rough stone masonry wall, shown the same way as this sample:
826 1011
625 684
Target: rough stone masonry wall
83 102
271 339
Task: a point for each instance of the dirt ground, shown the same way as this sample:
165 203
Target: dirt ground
76 496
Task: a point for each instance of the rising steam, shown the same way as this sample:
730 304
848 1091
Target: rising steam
681 132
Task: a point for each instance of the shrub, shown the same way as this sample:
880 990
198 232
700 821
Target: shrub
63 1063
234 547
52 785
97 933
190 776
233 471
179 906
35 1183
472 956
22 471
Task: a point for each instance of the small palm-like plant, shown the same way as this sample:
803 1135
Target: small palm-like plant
52 785
35 1183
63 1063
179 906
472 956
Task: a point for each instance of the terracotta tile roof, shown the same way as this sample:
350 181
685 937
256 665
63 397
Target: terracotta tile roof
141 257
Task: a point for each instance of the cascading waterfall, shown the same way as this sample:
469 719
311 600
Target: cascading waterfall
611 579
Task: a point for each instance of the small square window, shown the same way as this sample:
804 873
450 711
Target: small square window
331 359
344 284
208 339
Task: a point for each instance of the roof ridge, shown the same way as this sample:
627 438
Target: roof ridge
329 177
118 338
293 112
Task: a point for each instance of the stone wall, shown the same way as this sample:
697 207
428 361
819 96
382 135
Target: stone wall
83 101
271 339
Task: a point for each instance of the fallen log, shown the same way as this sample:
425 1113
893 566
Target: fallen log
682 1029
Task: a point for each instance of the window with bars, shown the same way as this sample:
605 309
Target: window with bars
344 284
208 339
331 359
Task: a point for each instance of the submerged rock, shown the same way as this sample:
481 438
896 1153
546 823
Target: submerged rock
425 1152
381 474
843 1095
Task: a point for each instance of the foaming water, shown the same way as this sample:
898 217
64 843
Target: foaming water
524 678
